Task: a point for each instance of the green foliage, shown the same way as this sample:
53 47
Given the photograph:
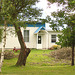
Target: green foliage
71 3
59 1
20 12
64 17
68 34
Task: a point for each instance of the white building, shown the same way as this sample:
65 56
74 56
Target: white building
35 36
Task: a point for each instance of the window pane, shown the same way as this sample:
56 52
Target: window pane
39 39
53 38
26 35
25 39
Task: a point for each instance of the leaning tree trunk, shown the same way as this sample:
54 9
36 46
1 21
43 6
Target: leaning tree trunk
3 48
24 52
72 54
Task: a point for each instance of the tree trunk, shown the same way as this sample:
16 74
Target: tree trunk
72 54
24 52
3 48
73 43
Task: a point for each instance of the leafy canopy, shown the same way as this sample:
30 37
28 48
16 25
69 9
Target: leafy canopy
64 18
20 11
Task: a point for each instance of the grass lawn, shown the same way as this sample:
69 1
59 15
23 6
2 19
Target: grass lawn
38 63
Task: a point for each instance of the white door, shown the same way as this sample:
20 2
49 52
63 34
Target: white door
39 45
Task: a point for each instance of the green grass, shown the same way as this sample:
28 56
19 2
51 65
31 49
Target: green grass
38 63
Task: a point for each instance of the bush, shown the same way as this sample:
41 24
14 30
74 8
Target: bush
55 47
63 53
8 55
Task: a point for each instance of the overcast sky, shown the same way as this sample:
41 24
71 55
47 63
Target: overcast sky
47 9
43 4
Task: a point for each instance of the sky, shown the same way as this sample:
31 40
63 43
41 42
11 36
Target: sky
43 4
47 9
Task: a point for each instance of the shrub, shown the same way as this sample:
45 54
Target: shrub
55 47
63 53
8 55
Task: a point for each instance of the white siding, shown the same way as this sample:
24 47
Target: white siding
12 40
32 38
52 33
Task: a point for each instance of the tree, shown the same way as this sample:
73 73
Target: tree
4 35
63 17
14 10
3 48
0 41
67 39
0 28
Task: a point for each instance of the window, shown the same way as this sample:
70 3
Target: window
26 35
53 38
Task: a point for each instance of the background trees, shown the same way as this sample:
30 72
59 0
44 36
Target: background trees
65 18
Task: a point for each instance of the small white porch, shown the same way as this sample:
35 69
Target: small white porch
41 38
